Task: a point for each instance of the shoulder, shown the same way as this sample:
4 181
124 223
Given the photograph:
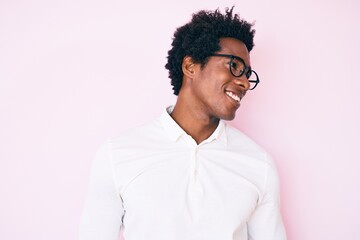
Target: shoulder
262 165
240 142
137 135
140 141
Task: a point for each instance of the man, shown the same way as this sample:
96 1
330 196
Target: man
188 175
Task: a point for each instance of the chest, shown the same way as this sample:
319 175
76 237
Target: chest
188 189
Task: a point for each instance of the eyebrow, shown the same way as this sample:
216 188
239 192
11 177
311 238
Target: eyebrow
231 56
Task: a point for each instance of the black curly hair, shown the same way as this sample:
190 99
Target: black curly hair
200 38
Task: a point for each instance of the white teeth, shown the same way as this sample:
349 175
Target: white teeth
233 96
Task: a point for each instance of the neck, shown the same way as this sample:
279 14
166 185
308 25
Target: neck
193 121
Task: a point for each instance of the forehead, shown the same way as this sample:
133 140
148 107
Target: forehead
235 47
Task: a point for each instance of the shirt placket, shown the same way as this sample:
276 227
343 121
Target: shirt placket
193 166
195 189
195 171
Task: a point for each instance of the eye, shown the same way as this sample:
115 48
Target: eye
237 66
234 65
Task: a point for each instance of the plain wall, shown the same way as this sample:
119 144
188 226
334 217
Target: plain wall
70 78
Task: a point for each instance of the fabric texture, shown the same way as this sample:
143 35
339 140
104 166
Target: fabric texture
155 182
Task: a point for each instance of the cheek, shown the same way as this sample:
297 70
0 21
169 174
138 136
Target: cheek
219 81
213 80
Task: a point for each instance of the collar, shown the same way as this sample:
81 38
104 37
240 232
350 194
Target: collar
174 131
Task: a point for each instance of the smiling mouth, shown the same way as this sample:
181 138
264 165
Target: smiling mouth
233 96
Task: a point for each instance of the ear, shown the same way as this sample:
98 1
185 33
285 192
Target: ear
188 67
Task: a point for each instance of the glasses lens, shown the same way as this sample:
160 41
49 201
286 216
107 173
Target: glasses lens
253 79
237 67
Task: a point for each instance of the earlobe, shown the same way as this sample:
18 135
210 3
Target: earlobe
188 67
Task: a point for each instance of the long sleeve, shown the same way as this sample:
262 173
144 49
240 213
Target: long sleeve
266 222
102 214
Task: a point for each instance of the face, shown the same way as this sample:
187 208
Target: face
217 92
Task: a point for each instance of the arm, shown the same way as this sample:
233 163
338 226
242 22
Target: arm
103 210
266 223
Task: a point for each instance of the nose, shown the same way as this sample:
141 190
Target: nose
243 82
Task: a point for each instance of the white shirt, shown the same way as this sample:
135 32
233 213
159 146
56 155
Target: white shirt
157 183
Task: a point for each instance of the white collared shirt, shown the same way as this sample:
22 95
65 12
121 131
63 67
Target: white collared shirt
156 183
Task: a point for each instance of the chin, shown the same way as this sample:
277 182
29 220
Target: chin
224 113
227 117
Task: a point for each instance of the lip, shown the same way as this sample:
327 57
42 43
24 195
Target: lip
237 103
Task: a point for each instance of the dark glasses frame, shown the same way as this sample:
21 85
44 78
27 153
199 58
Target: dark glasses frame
246 69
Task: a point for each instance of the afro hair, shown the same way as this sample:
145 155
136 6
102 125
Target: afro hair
200 38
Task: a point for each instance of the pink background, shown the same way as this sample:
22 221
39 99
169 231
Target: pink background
69 78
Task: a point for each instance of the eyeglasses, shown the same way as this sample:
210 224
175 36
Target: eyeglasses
237 68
